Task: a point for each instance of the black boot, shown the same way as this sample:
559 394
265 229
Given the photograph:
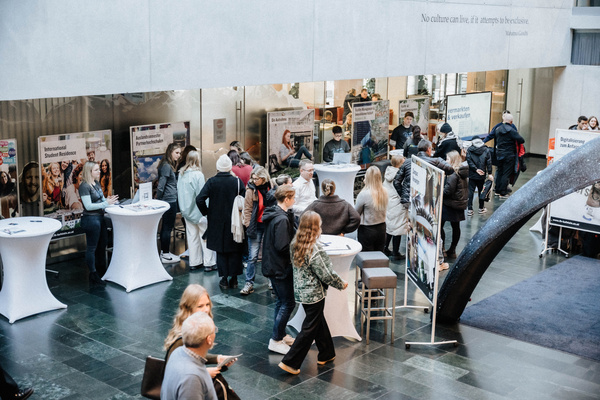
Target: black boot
223 283
233 282
96 280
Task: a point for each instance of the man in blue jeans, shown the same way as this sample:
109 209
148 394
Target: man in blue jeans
277 265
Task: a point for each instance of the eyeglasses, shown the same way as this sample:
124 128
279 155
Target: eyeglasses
310 171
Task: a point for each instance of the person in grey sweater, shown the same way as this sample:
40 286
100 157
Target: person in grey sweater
371 204
186 377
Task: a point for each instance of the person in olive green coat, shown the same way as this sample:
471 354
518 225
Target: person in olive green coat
313 273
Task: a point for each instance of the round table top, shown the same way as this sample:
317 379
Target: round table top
22 227
337 167
149 207
335 245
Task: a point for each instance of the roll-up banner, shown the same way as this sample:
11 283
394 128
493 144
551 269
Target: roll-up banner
370 131
423 244
148 146
581 209
469 114
287 132
61 163
9 189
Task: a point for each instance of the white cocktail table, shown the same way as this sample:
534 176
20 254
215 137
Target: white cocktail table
135 260
343 175
341 251
23 246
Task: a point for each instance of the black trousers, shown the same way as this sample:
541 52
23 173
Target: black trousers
505 169
8 387
314 328
230 264
472 185
372 237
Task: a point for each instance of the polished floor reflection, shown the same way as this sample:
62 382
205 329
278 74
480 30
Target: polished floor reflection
96 348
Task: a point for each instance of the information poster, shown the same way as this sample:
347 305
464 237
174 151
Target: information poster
370 131
8 179
287 132
469 114
61 162
419 106
579 210
149 144
425 215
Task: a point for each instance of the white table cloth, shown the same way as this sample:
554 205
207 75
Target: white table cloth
343 175
341 251
23 246
135 260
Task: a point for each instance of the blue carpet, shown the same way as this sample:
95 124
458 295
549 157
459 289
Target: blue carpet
558 308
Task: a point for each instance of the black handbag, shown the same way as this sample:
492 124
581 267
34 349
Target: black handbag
224 391
154 372
485 192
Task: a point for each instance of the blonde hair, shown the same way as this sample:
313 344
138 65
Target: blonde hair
454 159
87 172
328 187
308 232
192 162
261 172
187 306
397 161
378 192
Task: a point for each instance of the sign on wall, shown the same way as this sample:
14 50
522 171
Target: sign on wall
9 189
370 131
469 114
581 209
61 163
287 133
423 240
148 146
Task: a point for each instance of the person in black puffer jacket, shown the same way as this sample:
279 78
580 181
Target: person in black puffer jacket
456 193
507 138
277 265
447 142
479 158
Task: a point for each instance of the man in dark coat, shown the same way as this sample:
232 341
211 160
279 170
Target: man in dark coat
507 138
350 98
277 264
220 191
479 158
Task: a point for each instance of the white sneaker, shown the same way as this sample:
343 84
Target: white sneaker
168 258
482 210
278 347
248 288
185 254
287 339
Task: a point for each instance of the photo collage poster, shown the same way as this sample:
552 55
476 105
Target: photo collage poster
148 146
581 209
419 106
9 189
61 163
370 131
425 216
288 131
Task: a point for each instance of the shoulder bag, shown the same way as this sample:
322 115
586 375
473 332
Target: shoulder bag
154 371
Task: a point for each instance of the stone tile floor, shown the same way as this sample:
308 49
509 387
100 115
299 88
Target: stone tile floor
95 349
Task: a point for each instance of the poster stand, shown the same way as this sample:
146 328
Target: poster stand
432 341
546 248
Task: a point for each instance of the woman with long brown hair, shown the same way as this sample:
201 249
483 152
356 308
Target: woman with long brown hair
371 204
313 273
167 191
287 153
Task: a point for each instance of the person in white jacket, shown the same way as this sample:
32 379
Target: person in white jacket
190 183
396 218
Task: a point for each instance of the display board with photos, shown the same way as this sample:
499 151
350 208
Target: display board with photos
148 146
9 189
581 209
287 132
419 106
370 131
61 163
469 114
425 216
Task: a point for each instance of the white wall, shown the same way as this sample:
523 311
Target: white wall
82 47
575 93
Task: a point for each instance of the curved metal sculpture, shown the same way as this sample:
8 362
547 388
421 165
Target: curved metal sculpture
575 171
